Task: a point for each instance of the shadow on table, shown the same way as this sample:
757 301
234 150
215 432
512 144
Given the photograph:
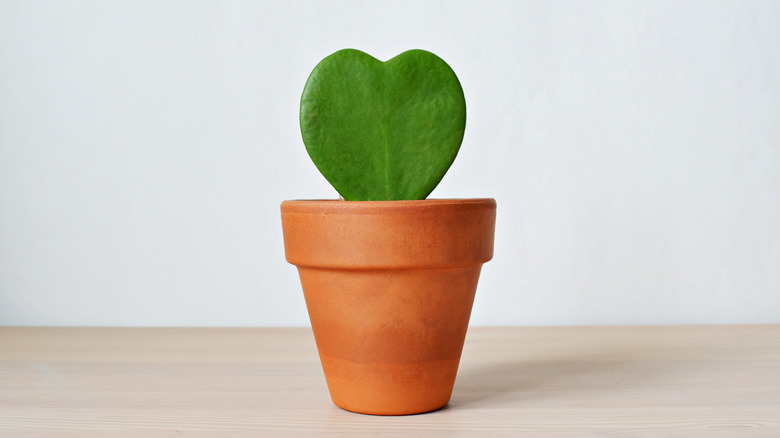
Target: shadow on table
578 378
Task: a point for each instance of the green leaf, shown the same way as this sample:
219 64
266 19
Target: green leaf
383 130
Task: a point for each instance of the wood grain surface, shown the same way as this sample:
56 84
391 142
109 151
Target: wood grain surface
667 381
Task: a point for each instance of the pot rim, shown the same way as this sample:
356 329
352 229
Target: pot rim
302 205
428 233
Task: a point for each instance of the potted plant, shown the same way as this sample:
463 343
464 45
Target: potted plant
388 276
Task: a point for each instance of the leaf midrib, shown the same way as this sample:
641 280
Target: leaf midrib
385 129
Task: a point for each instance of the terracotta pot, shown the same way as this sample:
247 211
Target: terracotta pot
389 287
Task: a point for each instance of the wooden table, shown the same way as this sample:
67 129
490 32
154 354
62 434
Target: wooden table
671 381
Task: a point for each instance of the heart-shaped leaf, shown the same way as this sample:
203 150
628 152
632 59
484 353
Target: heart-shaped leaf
383 130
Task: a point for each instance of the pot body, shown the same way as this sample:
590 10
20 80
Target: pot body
389 287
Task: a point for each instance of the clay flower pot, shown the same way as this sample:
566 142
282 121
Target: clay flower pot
389 287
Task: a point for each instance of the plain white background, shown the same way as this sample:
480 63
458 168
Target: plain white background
633 149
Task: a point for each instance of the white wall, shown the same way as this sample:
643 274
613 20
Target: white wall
633 149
